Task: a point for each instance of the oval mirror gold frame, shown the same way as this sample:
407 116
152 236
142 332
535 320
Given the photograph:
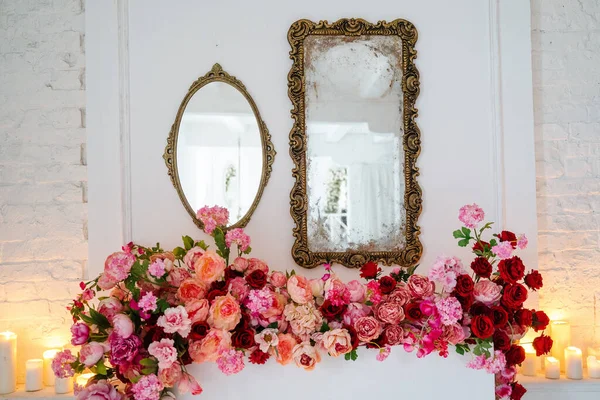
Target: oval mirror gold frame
217 74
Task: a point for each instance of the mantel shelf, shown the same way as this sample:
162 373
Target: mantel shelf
539 384
45 393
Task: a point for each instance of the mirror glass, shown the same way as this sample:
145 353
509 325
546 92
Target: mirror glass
219 150
354 131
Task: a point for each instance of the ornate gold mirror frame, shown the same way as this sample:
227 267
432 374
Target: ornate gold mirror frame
217 74
301 252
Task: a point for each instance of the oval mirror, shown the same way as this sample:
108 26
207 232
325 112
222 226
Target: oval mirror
219 151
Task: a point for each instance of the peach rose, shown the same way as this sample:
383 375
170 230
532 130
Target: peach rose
299 289
284 348
337 342
400 295
192 289
197 310
453 333
209 267
170 376
390 312
225 313
420 286
277 306
367 329
208 349
317 287
278 279
305 356
240 264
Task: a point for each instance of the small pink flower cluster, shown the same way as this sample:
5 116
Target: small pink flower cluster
212 217
238 237
61 364
471 215
445 270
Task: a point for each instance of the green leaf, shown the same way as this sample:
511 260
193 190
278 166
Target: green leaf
179 252
460 350
149 370
347 356
99 319
148 362
493 242
273 325
466 232
368 303
353 355
458 234
162 305
324 327
477 351
410 271
293 272
188 242
100 367
202 245
219 236
463 242
248 250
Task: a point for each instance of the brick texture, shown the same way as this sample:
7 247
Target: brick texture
566 76
43 212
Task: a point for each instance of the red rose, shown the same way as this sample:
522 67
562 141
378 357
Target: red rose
482 267
499 316
387 284
464 285
506 236
518 391
331 311
199 331
413 311
511 269
540 321
257 279
501 340
480 309
534 280
523 317
211 295
514 296
258 357
230 273
354 342
542 345
243 339
481 246
465 301
369 270
482 326
515 355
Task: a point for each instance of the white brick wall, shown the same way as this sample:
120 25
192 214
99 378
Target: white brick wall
566 76
43 243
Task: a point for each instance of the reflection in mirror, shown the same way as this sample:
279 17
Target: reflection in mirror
219 154
354 150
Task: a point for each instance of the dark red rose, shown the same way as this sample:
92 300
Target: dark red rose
387 284
258 357
507 236
465 301
499 316
482 326
542 345
199 330
243 339
515 355
186 359
257 279
540 321
413 311
514 296
481 246
231 273
464 285
518 391
481 309
212 294
219 285
354 341
534 280
523 317
331 311
482 267
369 270
511 269
501 341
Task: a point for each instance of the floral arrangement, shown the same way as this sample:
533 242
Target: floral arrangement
152 313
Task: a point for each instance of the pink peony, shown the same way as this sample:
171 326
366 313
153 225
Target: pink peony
197 310
91 353
209 267
175 320
191 256
225 313
305 356
357 291
238 237
471 215
238 288
394 335
147 302
80 333
240 264
503 250
336 292
400 295
177 275
100 390
449 310
503 391
277 279
109 307
231 361
164 351
148 387
420 286
453 334
487 292
299 289
123 351
256 264
118 265
367 329
317 287
106 282
354 312
122 325
445 270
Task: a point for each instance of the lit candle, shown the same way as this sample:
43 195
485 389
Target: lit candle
552 367
8 362
63 385
528 367
574 363
561 335
48 373
593 366
34 375
83 379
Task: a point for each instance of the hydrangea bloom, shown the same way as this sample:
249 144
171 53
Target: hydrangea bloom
445 270
493 365
61 364
212 217
238 237
147 388
259 301
157 268
522 242
449 310
471 215
503 250
231 362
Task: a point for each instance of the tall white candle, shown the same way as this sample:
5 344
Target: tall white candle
8 362
34 375
63 385
561 336
574 363
528 367
593 366
48 373
552 367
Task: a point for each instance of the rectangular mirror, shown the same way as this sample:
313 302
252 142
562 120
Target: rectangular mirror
354 142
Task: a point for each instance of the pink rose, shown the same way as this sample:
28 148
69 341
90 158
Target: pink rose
175 319
278 279
238 287
354 312
80 333
110 307
454 334
420 286
189 384
390 312
191 256
164 351
122 325
317 287
91 353
169 377
177 275
400 295
240 264
192 289
305 356
106 282
197 310
394 335
299 289
367 329
487 292
278 303
254 264
209 267
337 342
208 349
100 390
357 291
225 313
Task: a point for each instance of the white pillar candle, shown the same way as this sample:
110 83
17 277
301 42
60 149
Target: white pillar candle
48 373
552 367
574 363
34 375
63 385
561 336
8 362
83 379
528 367
593 366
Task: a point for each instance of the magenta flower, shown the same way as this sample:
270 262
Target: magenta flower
80 333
